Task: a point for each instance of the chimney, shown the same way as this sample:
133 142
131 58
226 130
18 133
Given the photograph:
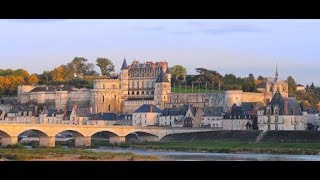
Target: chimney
150 107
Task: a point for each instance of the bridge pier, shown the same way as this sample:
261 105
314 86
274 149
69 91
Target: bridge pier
116 139
47 141
83 141
9 141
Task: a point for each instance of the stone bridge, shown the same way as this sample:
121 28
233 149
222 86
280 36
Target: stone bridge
47 132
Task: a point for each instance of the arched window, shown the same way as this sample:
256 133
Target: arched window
109 107
142 92
132 93
137 92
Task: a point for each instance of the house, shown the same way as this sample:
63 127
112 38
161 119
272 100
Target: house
282 114
80 115
210 115
300 87
146 115
173 116
102 119
124 120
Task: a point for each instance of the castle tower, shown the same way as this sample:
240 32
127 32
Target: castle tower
124 80
162 88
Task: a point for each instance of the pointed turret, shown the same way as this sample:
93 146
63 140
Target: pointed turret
276 78
124 64
162 78
168 70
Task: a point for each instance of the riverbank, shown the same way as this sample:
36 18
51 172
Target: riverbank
232 147
59 153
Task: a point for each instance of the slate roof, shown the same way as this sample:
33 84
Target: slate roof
122 116
168 70
83 112
293 107
148 108
176 111
261 85
162 78
300 85
277 99
104 116
213 111
124 64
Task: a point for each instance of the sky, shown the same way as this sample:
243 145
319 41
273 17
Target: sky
239 46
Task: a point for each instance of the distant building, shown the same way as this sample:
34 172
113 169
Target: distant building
282 114
300 87
146 115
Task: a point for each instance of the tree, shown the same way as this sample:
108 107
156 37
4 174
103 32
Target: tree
251 77
88 70
58 74
79 65
206 75
21 72
33 79
106 66
291 84
178 71
261 78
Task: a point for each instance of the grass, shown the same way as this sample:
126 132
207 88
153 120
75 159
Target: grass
195 90
21 153
235 147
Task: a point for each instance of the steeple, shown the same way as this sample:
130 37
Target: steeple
276 78
124 64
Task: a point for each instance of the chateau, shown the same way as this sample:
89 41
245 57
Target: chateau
137 84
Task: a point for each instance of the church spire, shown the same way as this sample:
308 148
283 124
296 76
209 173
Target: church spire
124 64
276 78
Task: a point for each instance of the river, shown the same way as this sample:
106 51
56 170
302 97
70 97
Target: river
202 156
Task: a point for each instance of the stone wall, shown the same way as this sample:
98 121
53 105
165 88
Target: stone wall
252 97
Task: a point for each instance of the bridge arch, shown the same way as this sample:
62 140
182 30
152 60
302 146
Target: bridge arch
4 134
141 136
103 137
76 138
34 136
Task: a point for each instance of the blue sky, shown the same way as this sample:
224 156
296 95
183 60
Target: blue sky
228 46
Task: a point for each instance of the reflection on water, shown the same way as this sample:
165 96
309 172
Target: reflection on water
199 156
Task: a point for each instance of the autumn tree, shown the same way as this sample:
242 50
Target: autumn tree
106 66
33 79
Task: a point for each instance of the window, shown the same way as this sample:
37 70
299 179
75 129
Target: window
104 86
109 107
137 92
102 98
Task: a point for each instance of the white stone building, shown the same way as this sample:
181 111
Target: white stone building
146 115
282 114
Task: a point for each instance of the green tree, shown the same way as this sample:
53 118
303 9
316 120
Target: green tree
106 66
79 64
178 71
291 84
88 70
261 78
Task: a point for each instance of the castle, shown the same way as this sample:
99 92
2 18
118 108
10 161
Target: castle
137 84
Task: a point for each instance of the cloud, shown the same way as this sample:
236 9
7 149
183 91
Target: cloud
154 28
233 29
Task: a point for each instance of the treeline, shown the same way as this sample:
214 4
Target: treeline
79 73
10 79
